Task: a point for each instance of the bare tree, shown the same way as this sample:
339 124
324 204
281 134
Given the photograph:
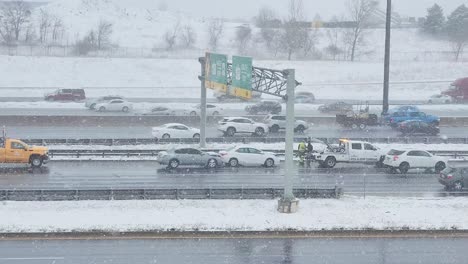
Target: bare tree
215 31
457 30
335 36
294 34
188 36
58 28
29 33
44 25
103 34
171 36
360 12
266 16
14 17
243 36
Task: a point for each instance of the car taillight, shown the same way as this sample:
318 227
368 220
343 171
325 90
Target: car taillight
222 153
395 158
450 176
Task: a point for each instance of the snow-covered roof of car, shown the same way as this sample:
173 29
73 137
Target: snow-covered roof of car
172 124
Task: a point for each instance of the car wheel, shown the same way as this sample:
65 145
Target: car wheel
354 126
330 162
102 109
404 167
230 131
166 136
125 109
174 163
259 131
430 101
212 163
92 107
233 162
36 162
458 186
440 166
215 113
269 163
362 126
193 113
196 136
274 129
300 129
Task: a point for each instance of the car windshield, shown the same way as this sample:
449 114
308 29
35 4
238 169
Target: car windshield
449 170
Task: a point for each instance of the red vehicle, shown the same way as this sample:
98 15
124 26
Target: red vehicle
66 95
458 90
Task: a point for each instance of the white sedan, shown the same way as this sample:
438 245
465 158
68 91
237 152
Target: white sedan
114 105
175 130
404 160
211 110
248 156
440 99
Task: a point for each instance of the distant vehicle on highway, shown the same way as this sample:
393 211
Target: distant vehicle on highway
166 111
16 151
404 160
66 95
270 107
91 103
440 99
337 108
454 178
248 156
458 90
416 127
235 125
116 105
211 110
223 96
175 130
304 98
404 108
396 118
189 157
276 123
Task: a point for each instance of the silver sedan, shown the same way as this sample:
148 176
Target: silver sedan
189 157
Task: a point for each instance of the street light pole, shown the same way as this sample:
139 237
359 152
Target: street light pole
289 204
388 29
203 103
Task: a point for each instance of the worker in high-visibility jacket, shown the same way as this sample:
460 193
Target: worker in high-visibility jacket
302 149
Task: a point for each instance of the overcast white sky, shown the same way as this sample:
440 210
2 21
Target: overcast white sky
327 8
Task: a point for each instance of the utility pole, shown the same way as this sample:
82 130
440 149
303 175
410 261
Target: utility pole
202 78
388 29
289 204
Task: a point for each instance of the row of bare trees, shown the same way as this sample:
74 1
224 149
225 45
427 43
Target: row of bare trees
18 26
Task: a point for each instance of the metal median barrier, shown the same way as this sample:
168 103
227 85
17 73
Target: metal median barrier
163 194
239 140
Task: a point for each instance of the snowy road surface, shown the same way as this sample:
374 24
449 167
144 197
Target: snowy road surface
355 179
129 131
430 250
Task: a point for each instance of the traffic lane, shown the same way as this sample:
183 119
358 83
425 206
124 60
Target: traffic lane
300 111
354 179
122 131
237 250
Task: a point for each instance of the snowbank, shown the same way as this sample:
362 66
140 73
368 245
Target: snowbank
227 215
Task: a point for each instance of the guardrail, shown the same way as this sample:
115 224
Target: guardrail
154 152
243 140
163 194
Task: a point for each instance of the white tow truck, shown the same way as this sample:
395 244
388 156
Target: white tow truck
349 151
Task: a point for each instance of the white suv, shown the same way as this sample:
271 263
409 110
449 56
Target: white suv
403 160
233 125
277 122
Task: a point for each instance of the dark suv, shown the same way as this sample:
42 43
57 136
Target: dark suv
66 95
271 107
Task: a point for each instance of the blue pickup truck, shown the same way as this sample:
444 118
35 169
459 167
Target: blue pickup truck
395 118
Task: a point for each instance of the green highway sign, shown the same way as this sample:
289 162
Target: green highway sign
216 72
242 77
